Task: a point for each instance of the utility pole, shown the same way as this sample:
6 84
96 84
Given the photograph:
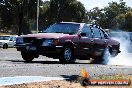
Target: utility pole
20 15
37 15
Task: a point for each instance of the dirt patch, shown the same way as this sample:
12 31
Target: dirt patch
60 84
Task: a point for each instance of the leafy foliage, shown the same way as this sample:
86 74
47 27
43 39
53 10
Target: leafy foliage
68 10
19 16
124 21
16 13
112 16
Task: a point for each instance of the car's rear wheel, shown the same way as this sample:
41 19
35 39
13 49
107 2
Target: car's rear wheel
67 55
5 46
104 58
114 53
27 56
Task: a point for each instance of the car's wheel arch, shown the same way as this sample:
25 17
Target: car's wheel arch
69 44
5 44
110 48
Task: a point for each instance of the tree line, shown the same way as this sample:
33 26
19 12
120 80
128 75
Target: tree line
19 16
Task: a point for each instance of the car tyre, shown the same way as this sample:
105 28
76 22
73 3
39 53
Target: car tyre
67 55
104 58
27 56
114 53
5 46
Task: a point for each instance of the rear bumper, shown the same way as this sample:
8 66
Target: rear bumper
39 49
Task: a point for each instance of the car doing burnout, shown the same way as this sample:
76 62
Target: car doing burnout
68 41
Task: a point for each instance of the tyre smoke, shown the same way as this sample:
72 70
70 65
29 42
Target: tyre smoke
125 57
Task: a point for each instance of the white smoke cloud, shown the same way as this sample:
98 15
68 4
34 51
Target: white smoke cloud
125 57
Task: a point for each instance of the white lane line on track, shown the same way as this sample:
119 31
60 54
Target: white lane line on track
25 79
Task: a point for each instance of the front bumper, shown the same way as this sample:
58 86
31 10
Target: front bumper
42 49
119 51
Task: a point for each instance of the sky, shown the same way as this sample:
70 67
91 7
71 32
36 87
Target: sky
89 4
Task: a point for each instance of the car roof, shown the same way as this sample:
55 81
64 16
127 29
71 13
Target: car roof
81 24
4 35
75 23
70 23
119 32
10 35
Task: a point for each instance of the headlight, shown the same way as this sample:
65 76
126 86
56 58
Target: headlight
19 40
50 42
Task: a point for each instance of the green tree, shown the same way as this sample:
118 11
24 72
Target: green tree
6 14
113 10
17 13
96 16
124 21
44 18
67 10
128 23
111 16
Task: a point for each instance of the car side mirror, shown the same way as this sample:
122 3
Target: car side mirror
10 40
79 35
83 34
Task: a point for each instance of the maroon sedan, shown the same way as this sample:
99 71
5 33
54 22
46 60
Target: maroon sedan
68 41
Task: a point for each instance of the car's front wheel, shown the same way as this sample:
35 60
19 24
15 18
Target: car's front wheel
67 55
27 56
5 46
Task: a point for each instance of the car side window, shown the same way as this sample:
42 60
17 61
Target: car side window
86 29
102 34
11 38
96 33
14 38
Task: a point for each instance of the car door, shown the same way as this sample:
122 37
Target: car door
11 41
86 41
99 41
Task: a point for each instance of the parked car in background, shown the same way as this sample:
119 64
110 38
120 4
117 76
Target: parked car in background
7 41
68 41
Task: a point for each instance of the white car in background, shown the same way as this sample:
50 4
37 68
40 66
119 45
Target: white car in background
7 41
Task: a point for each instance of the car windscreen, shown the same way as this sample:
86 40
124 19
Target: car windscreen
63 28
4 37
